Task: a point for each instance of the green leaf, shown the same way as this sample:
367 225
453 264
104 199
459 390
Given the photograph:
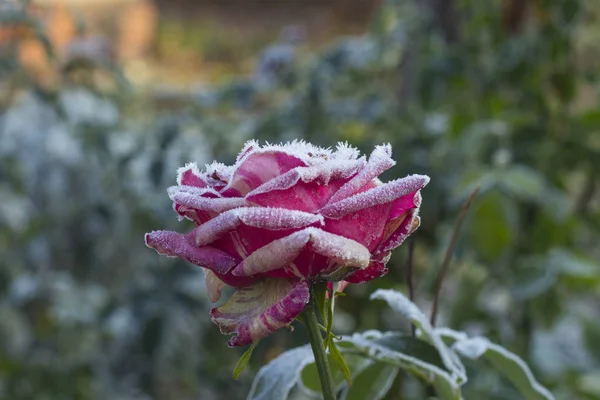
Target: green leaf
275 380
523 182
373 382
243 361
410 354
507 363
340 362
309 376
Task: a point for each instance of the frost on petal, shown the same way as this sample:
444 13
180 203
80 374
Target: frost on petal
203 199
175 244
258 217
256 311
305 188
374 270
409 224
256 168
214 286
379 161
190 175
382 194
364 226
281 253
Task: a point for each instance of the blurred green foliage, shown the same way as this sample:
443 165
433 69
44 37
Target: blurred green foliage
484 95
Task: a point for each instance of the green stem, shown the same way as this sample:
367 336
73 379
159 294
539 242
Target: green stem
316 342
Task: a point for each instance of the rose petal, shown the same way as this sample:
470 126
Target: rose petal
197 199
190 175
364 226
281 253
409 224
175 244
305 188
214 286
375 269
256 311
382 194
258 167
379 161
258 217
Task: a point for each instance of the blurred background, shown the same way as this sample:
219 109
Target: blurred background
102 100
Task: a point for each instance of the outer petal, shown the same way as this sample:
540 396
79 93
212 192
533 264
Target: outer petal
258 217
198 199
305 188
379 161
382 194
365 226
175 244
282 253
409 224
256 311
214 286
375 269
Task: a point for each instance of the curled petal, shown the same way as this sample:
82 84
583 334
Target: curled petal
175 244
258 167
256 311
214 286
381 194
258 217
409 224
305 188
198 199
375 269
282 252
190 175
379 161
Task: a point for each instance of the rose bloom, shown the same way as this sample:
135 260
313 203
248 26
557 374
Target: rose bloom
282 217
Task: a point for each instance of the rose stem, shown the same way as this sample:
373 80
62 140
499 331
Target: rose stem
316 342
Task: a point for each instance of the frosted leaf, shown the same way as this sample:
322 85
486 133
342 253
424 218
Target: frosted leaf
401 304
280 253
260 309
383 347
507 363
258 217
382 194
276 379
322 173
379 161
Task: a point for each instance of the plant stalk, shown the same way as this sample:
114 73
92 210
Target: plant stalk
316 342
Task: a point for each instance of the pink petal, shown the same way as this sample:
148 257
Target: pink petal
190 175
364 226
258 217
214 285
305 188
256 311
197 199
382 194
258 167
379 161
281 253
375 269
175 244
409 224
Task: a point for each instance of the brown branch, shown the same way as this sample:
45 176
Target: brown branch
410 277
450 252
